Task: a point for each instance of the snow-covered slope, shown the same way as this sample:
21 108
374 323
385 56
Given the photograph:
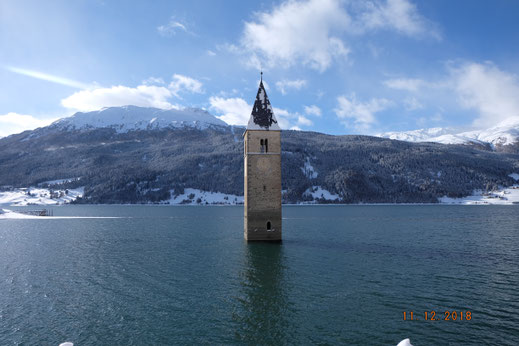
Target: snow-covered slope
195 196
421 135
503 196
504 133
39 196
129 118
317 193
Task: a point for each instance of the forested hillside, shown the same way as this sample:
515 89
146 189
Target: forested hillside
145 165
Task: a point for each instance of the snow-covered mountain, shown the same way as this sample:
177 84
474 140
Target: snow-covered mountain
130 118
504 133
193 166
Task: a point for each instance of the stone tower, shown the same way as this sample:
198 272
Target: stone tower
262 159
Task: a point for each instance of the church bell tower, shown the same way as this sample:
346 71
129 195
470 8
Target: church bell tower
262 159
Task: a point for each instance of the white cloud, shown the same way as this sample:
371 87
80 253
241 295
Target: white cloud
426 121
484 87
285 118
312 32
171 28
303 31
408 84
234 110
399 15
143 95
11 123
152 93
181 83
437 117
48 77
301 120
284 85
357 114
313 110
412 104
210 52
153 81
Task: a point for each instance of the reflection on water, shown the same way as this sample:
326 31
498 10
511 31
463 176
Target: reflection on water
184 275
263 316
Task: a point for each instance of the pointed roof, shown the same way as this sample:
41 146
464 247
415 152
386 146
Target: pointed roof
262 116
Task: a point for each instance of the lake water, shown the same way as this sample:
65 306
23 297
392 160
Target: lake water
184 275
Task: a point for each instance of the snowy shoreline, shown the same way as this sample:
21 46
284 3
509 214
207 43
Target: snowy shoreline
284 204
36 196
7 214
195 197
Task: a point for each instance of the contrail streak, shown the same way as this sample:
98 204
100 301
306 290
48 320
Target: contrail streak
48 77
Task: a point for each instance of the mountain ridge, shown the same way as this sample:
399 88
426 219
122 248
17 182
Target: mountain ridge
131 118
503 134
149 165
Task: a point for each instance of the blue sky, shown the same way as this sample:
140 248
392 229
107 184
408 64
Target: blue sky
339 67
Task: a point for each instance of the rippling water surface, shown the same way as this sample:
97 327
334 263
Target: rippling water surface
343 274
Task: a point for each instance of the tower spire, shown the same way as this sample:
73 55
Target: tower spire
262 115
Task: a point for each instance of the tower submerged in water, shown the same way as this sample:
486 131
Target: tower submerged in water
262 170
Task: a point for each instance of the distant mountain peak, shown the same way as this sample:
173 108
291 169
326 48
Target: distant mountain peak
504 133
131 118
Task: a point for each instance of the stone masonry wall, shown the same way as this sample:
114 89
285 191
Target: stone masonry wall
262 186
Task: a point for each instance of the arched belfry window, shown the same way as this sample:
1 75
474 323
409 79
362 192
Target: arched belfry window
269 226
266 145
262 144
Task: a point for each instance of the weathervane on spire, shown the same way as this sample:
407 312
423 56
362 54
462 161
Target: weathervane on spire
261 75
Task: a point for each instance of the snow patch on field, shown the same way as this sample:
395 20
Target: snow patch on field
509 195
38 196
514 176
317 192
195 196
308 169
